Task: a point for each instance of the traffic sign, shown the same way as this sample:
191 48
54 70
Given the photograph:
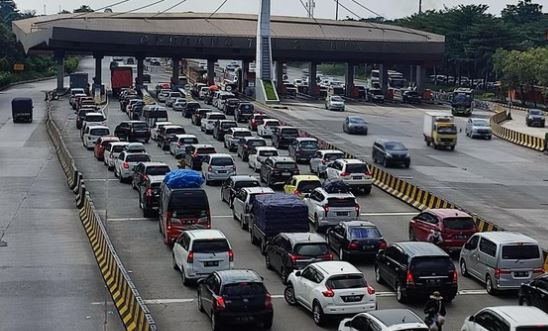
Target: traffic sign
18 67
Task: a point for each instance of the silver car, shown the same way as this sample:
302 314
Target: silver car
125 162
478 128
334 102
328 209
241 206
179 146
218 167
323 157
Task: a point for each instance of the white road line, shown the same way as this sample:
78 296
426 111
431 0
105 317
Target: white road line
390 214
166 301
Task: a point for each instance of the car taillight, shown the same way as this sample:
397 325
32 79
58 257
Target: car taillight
209 168
230 255
357 207
382 244
294 258
268 301
296 192
538 270
344 174
148 192
323 161
328 293
353 245
326 209
370 290
190 257
409 278
125 165
326 257
219 303
499 272
455 277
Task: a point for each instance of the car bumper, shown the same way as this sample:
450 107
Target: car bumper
424 291
349 309
244 317
332 221
357 129
217 176
126 173
358 183
398 160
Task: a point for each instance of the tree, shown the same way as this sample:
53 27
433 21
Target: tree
523 13
64 11
84 9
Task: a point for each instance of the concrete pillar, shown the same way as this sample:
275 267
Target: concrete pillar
421 78
383 71
279 74
245 71
175 70
211 71
140 70
412 73
60 67
98 79
312 75
349 79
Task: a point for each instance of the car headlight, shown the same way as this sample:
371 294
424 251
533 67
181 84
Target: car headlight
406 155
388 155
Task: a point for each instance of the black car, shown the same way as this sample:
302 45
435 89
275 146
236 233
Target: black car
416 269
535 293
294 251
21 110
199 114
355 124
355 239
147 78
233 184
277 170
166 134
221 127
230 106
196 154
390 153
149 195
190 108
82 115
302 149
411 97
244 112
145 169
133 131
246 145
282 136
375 95
235 296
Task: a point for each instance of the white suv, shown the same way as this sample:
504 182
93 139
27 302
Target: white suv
112 151
354 173
511 318
218 167
384 320
266 128
92 133
125 162
329 209
330 288
241 206
156 128
197 253
255 160
207 124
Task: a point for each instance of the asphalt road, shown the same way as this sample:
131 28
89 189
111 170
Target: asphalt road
48 274
148 260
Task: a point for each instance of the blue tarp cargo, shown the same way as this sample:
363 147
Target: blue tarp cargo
278 212
183 178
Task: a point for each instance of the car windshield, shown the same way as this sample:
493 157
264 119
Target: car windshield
232 102
481 123
242 134
376 92
272 123
210 246
157 114
157 170
138 158
356 168
140 126
286 165
520 252
362 232
216 117
333 156
307 186
316 249
342 202
394 146
206 150
244 289
309 145
356 120
459 223
268 153
246 108
94 118
535 112
175 131
188 140
222 161
447 129
346 281
99 132
246 183
413 94
337 99
431 264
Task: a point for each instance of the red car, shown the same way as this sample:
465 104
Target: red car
255 120
99 149
447 228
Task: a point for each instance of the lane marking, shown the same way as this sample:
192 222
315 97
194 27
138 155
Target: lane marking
390 214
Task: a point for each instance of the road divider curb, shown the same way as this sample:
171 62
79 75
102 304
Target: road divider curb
516 137
133 312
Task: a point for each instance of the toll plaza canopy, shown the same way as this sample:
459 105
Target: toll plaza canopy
227 36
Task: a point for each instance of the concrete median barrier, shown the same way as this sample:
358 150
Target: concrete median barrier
129 304
516 137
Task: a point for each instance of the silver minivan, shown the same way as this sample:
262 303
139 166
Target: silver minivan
502 260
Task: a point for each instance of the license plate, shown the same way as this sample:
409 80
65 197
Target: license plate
342 213
286 173
352 298
356 177
521 274
222 171
432 282
461 237
211 263
368 246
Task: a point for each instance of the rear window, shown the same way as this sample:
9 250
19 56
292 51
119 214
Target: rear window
255 143
459 223
216 117
520 252
222 161
157 171
233 102
94 118
364 233
244 288
356 168
341 202
333 156
246 108
242 134
188 140
227 125
118 148
157 114
175 131
346 281
246 183
288 131
272 123
431 264
140 126
286 165
268 153
209 150
309 145
317 249
210 246
189 203
99 132
307 186
138 158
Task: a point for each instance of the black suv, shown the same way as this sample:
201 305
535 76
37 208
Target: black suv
282 136
303 149
390 153
416 269
277 170
235 183
535 293
199 114
230 106
166 134
246 145
145 169
355 239
235 297
149 195
133 131
190 108
294 251
221 127
244 112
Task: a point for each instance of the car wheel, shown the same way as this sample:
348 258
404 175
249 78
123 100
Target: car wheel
222 196
489 286
147 213
254 240
399 294
412 235
234 215
200 304
186 281
284 275
133 185
267 262
120 178
342 257
173 262
378 277
267 323
214 325
242 223
385 162
289 295
463 269
317 314
523 301
263 246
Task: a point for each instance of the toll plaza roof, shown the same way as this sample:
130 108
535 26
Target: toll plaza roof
229 36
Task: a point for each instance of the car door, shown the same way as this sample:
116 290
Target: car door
310 203
425 225
239 204
225 188
304 284
119 160
338 236
205 165
470 255
180 249
211 287
389 265
487 251
290 186
539 296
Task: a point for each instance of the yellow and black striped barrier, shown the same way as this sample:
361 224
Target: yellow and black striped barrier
516 137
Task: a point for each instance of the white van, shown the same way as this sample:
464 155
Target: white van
92 133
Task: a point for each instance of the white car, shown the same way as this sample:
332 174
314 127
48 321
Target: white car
241 206
197 253
508 318
156 128
171 97
218 167
334 102
329 209
92 118
163 94
233 136
92 133
74 92
179 104
125 162
330 288
207 123
112 150
256 159
384 320
266 128
178 147
352 172
204 91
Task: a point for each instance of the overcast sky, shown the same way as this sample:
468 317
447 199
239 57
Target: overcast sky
324 8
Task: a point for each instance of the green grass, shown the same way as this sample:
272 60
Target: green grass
269 90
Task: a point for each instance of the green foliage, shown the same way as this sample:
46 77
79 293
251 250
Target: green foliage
522 67
269 90
332 69
84 9
71 64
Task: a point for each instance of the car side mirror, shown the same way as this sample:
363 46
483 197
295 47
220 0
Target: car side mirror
471 318
298 273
